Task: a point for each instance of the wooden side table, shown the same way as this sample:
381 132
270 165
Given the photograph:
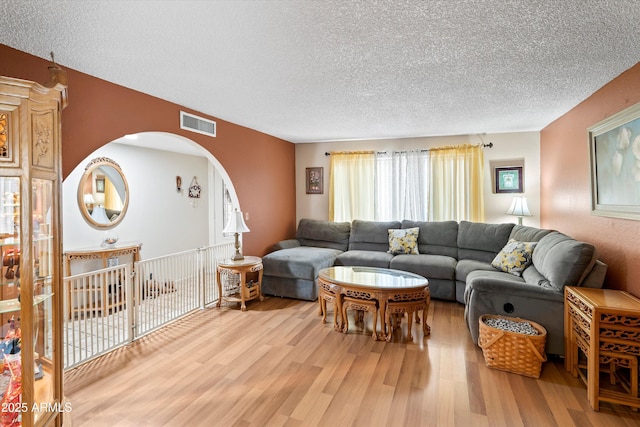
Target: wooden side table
605 325
249 264
412 304
361 305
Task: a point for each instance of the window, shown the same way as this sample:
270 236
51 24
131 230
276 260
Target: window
435 185
227 206
402 186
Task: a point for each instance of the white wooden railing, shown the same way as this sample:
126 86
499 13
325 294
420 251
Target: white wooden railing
108 308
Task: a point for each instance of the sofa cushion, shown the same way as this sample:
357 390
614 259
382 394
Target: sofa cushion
532 276
365 258
429 266
371 235
466 266
514 257
595 278
562 260
524 233
403 241
436 237
303 262
482 241
286 244
324 234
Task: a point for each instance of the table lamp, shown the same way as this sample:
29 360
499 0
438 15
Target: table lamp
519 208
236 226
89 201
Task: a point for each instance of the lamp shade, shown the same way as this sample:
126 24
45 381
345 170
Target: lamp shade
88 199
519 207
236 224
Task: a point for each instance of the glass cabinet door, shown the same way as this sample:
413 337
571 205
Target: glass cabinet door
10 346
42 269
13 283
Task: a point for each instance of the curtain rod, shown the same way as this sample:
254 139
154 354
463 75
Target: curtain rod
489 145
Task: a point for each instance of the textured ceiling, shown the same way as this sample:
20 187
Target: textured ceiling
333 70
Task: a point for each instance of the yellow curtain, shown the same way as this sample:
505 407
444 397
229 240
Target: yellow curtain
111 197
352 186
456 187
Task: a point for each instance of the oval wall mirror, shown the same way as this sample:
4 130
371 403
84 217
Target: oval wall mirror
103 193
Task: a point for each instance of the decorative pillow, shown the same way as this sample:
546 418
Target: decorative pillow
403 241
514 257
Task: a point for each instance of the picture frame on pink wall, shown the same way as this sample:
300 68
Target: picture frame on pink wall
614 150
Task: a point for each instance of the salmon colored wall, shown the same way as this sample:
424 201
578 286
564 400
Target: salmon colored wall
565 182
261 167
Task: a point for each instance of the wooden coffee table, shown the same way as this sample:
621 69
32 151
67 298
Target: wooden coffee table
371 285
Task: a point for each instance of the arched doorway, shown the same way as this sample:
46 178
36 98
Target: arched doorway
160 215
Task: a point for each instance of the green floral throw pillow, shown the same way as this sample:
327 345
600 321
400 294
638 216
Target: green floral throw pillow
514 257
403 241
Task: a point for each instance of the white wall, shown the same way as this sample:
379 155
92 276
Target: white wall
506 146
158 216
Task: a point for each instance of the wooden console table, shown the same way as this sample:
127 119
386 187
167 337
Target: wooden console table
103 253
605 325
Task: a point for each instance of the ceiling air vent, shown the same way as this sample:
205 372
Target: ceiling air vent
197 124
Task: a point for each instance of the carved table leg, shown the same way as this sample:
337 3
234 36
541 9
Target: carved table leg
375 324
219 288
243 290
323 308
409 324
426 329
345 318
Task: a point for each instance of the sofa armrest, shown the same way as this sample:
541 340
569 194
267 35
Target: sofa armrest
508 287
286 244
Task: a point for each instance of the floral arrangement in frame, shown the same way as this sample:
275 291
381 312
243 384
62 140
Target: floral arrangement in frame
509 179
614 149
314 181
100 184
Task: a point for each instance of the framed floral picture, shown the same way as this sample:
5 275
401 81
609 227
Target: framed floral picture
614 148
509 179
314 181
100 184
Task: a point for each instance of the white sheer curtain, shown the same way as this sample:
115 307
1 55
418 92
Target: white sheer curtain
402 186
351 186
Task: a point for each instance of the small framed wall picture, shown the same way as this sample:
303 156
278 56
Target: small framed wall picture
314 181
509 179
100 184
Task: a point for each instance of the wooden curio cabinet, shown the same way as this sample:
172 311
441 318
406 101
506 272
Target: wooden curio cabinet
30 250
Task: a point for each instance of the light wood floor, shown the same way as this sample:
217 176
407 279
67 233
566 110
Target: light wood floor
277 365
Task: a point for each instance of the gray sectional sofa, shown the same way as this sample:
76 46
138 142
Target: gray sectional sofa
455 257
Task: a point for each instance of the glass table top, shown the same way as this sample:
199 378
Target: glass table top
372 277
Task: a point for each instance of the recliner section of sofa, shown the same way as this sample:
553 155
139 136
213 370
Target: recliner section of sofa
292 270
456 259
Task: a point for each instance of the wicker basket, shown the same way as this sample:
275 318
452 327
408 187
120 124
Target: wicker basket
511 351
